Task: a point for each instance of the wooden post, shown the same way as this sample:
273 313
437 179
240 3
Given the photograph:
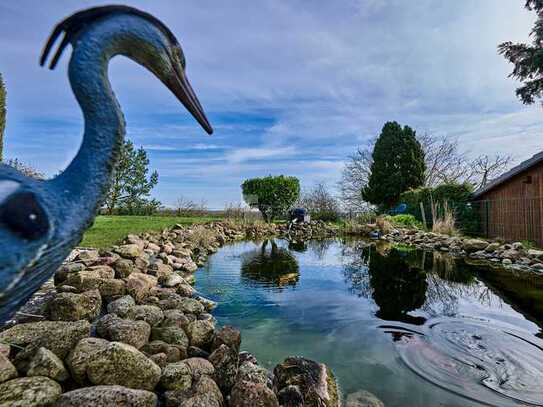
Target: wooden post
423 214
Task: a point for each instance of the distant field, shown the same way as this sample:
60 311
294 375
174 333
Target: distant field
108 230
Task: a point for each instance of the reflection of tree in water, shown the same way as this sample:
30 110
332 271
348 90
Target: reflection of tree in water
397 287
383 274
449 280
400 281
320 247
273 266
297 246
443 297
355 269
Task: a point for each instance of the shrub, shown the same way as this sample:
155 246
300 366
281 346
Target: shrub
457 197
272 196
201 236
237 213
355 228
405 220
321 203
368 216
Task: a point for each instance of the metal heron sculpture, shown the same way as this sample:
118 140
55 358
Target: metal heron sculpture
41 221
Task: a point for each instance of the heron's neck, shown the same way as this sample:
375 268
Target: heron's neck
86 180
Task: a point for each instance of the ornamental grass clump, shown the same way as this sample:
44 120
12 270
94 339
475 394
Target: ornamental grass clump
443 219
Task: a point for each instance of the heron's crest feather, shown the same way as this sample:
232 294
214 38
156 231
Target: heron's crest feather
82 19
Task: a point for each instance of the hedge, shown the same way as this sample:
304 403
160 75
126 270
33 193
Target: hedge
457 197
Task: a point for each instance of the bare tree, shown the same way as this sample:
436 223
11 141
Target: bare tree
185 206
320 203
202 206
354 178
445 163
485 168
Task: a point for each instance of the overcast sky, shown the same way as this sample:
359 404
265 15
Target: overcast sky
291 87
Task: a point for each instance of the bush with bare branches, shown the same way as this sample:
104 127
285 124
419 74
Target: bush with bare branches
238 213
187 207
320 203
446 163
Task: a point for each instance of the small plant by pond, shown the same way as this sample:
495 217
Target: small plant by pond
406 220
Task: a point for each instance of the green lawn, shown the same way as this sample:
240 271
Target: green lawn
108 230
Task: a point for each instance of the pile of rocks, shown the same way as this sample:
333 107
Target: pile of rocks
513 255
125 327
256 231
316 229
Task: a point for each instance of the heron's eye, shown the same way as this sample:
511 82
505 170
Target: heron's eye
24 216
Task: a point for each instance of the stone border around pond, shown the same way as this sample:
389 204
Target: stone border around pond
509 255
512 256
124 326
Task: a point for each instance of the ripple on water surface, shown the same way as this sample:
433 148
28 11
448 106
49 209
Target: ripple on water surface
490 364
456 341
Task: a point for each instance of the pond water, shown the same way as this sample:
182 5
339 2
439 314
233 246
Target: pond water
414 328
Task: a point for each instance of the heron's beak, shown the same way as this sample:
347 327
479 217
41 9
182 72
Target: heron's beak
180 86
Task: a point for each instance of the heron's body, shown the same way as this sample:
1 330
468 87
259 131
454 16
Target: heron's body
61 209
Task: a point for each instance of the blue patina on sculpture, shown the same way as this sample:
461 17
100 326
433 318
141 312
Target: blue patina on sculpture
41 221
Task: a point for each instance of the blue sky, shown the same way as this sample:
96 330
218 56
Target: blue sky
291 87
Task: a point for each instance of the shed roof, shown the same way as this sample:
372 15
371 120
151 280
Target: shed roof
523 166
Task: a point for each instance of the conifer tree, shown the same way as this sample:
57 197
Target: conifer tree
397 165
528 58
131 185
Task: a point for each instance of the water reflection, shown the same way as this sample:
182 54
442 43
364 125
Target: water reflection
299 246
481 359
397 287
454 336
271 264
320 248
402 280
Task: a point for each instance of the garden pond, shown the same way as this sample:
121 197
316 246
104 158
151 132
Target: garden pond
414 328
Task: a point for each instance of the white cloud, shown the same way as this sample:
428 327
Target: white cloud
196 147
327 75
241 155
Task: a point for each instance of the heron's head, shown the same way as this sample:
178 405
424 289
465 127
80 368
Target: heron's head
41 221
141 37
25 231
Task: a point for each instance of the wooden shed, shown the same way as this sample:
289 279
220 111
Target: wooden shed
511 206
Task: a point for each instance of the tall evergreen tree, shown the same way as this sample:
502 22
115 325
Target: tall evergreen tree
528 58
131 186
397 165
2 116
